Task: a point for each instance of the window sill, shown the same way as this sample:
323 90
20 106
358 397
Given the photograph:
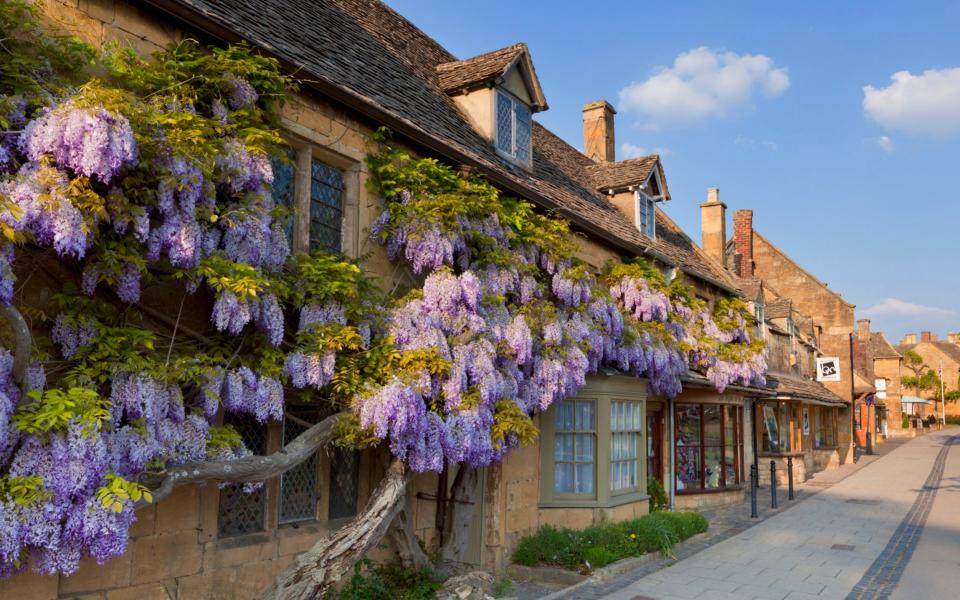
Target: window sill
781 455
612 502
729 488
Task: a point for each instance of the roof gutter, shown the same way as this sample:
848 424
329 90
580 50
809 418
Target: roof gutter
407 129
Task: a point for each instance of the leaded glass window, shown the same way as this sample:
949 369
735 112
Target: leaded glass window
284 175
326 208
298 486
344 481
647 215
513 126
624 445
574 445
241 512
504 123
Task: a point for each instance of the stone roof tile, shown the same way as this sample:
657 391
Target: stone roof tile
380 59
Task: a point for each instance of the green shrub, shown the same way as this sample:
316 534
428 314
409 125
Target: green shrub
598 556
950 419
604 543
906 421
658 496
371 581
689 524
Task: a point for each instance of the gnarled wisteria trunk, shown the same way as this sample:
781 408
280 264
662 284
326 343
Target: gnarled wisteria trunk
319 569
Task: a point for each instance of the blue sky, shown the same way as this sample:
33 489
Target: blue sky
766 100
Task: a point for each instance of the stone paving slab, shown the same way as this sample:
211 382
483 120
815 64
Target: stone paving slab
791 555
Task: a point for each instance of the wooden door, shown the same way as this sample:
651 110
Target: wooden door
655 445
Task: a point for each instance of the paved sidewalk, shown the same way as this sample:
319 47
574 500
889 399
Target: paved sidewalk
820 548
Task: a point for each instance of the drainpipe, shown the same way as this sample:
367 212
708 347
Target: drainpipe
673 457
753 432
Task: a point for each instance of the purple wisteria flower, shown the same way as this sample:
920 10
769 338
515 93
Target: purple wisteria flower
89 141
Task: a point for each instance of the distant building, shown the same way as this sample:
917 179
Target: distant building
933 352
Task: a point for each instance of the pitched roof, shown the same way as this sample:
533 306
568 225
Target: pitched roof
624 173
861 385
792 386
751 287
458 75
879 347
952 351
778 309
366 55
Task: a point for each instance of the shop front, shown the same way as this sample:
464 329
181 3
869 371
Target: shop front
799 423
709 445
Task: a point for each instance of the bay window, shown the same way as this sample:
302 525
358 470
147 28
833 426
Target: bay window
708 446
592 447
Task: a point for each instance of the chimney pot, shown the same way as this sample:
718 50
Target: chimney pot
925 336
952 337
713 225
743 240
598 131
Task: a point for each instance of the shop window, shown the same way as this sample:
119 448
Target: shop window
624 445
326 208
826 428
299 486
781 432
709 446
241 512
574 443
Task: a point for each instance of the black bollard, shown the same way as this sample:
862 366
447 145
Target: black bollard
790 478
753 492
773 484
869 443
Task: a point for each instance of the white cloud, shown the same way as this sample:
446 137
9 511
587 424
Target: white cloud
704 83
628 150
894 307
925 104
885 143
748 142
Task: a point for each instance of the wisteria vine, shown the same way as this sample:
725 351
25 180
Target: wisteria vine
160 177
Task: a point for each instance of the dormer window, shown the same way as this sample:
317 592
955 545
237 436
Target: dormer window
498 92
512 128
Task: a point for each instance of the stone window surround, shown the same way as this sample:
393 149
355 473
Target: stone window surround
307 146
603 390
271 488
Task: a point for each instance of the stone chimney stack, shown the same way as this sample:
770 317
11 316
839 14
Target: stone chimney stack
909 339
926 336
713 225
952 337
863 330
598 139
743 240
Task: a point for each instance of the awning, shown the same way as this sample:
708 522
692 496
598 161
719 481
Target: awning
913 400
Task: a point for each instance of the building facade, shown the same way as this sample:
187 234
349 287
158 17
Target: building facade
364 66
